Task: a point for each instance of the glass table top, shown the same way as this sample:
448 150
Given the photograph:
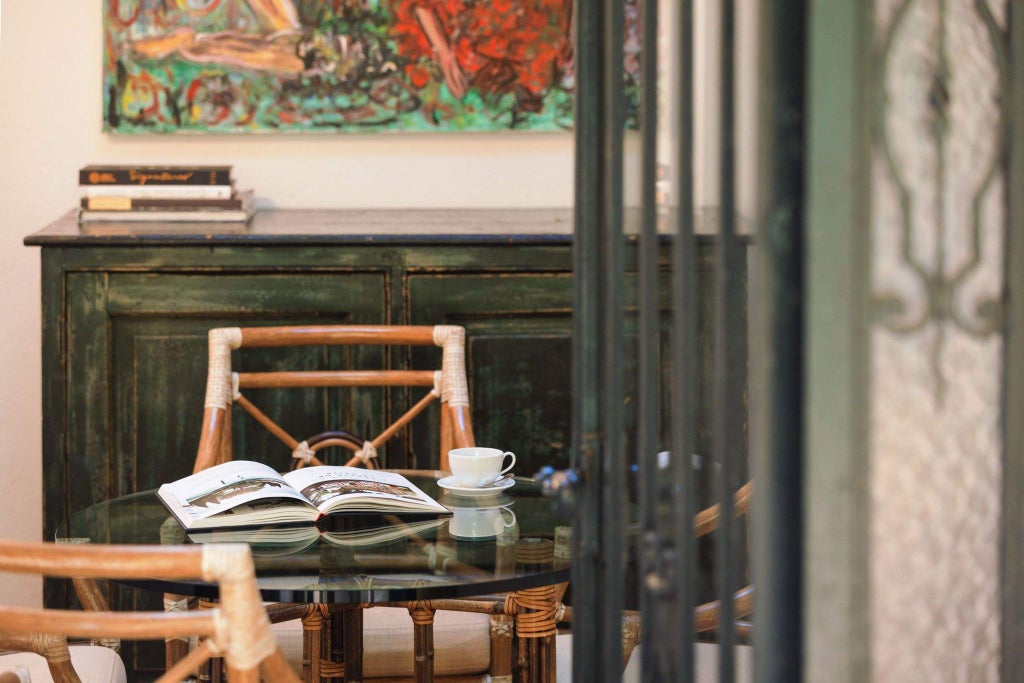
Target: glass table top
488 544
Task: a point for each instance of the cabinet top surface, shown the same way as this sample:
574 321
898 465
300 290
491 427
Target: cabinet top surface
307 226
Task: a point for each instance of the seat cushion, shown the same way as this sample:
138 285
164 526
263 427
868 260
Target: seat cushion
93 663
18 674
462 642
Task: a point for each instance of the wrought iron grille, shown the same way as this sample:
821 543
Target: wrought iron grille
635 544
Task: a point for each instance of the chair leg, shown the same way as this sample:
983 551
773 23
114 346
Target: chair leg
536 660
212 670
547 658
535 612
501 648
276 667
352 634
536 615
54 649
313 643
423 641
236 675
176 648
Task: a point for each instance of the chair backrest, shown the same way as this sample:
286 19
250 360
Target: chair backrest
706 616
238 628
224 387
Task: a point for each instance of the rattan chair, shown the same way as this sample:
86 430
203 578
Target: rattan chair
706 616
224 388
237 629
462 641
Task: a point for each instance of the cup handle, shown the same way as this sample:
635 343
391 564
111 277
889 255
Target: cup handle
511 464
509 525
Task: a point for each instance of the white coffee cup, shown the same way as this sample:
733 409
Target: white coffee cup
477 467
477 523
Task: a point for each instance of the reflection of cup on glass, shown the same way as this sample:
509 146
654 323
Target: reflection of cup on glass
480 523
478 467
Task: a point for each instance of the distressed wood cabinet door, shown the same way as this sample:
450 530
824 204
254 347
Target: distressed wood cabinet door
136 374
518 330
137 368
519 353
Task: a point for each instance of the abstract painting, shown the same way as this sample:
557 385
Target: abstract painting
348 65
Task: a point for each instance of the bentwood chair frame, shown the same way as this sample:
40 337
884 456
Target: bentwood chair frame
237 629
223 387
448 385
536 616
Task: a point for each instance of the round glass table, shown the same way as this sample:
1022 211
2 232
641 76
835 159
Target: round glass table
516 541
490 544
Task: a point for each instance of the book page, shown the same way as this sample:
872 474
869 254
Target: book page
238 490
342 489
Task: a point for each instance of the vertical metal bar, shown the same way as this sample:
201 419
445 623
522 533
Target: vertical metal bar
658 643
586 335
684 351
728 419
612 574
779 530
599 381
1011 580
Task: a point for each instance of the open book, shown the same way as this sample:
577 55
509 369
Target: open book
244 493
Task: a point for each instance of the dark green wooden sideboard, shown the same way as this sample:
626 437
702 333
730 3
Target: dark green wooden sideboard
126 309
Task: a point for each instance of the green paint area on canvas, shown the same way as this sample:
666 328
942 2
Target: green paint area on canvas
345 65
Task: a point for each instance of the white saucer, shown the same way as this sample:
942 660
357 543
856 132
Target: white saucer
448 483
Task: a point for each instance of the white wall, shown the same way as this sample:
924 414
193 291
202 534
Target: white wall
50 99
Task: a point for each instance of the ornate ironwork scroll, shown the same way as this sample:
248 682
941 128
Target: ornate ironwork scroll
937 225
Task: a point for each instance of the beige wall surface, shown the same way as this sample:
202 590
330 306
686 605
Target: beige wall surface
50 99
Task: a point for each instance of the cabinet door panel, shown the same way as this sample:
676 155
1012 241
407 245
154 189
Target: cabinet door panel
135 374
518 357
138 357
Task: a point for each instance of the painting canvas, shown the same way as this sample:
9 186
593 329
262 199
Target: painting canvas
351 65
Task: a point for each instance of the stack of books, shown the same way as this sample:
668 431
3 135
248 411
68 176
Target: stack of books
161 193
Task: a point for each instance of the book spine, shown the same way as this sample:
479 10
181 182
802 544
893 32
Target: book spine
161 191
166 216
154 176
146 203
